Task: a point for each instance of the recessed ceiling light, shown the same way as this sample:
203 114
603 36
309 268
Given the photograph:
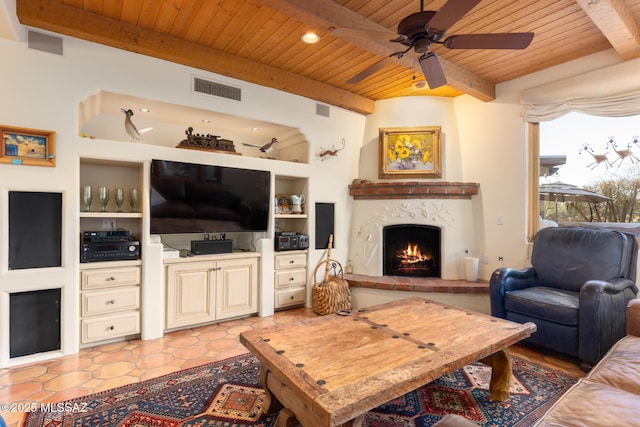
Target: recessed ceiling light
145 110
420 84
255 129
205 121
310 38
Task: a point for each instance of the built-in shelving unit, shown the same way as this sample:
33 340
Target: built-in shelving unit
290 267
110 296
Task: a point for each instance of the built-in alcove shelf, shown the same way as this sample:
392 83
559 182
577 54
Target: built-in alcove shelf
110 214
417 284
294 216
367 190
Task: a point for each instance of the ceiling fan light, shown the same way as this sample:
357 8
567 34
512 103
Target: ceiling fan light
310 38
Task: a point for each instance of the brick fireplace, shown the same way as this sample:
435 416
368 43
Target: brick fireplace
446 206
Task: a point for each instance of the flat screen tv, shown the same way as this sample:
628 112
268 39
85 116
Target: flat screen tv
195 198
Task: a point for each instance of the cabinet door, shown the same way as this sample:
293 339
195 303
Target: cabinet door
237 283
190 294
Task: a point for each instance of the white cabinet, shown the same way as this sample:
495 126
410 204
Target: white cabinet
290 279
236 287
210 288
191 290
109 300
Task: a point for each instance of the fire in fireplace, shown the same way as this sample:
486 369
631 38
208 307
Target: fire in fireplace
411 250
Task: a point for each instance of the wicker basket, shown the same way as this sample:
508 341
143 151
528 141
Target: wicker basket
332 295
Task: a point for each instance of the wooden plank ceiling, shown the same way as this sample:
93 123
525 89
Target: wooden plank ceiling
259 40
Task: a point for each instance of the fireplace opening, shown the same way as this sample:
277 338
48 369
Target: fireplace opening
411 250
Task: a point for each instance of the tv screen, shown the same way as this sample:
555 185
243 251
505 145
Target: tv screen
194 198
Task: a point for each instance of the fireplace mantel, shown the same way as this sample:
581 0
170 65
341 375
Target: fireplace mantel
367 190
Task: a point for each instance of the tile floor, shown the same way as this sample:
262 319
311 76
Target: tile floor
111 365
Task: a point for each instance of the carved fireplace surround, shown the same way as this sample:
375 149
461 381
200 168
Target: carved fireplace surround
447 205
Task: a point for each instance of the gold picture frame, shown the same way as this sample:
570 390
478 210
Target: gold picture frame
410 152
30 147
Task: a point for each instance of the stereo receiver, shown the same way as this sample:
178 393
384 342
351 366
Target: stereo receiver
108 246
290 241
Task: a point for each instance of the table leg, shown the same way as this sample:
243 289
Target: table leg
268 397
500 363
286 418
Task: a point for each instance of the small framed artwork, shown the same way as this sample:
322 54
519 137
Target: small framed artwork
29 147
410 152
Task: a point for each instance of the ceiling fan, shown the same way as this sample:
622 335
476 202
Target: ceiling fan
420 30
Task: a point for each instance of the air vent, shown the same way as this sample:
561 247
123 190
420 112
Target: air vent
323 110
216 89
44 42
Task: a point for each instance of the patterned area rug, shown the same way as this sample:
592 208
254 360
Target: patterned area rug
228 393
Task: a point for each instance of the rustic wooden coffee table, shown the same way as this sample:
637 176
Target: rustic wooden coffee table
331 370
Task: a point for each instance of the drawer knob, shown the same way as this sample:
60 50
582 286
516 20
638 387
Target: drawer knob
291 279
292 297
291 261
111 278
111 328
112 301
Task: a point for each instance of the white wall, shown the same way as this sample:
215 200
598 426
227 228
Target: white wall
43 91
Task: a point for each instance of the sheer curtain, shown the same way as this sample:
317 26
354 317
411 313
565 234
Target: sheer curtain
612 91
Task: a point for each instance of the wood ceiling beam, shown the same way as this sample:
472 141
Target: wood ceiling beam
53 16
616 22
328 15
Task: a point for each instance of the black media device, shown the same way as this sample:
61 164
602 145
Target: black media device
207 247
103 245
196 198
290 241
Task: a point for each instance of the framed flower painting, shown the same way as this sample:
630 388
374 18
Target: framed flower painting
410 152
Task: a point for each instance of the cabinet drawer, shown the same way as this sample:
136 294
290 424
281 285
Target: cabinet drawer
289 278
290 261
110 277
289 297
104 327
110 301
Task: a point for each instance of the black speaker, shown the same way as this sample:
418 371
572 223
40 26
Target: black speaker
207 247
324 225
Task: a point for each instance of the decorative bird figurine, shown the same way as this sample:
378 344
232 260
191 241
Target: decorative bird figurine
266 148
130 127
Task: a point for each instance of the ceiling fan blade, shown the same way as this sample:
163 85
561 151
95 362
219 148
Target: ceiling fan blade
449 14
489 41
371 35
371 70
432 70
